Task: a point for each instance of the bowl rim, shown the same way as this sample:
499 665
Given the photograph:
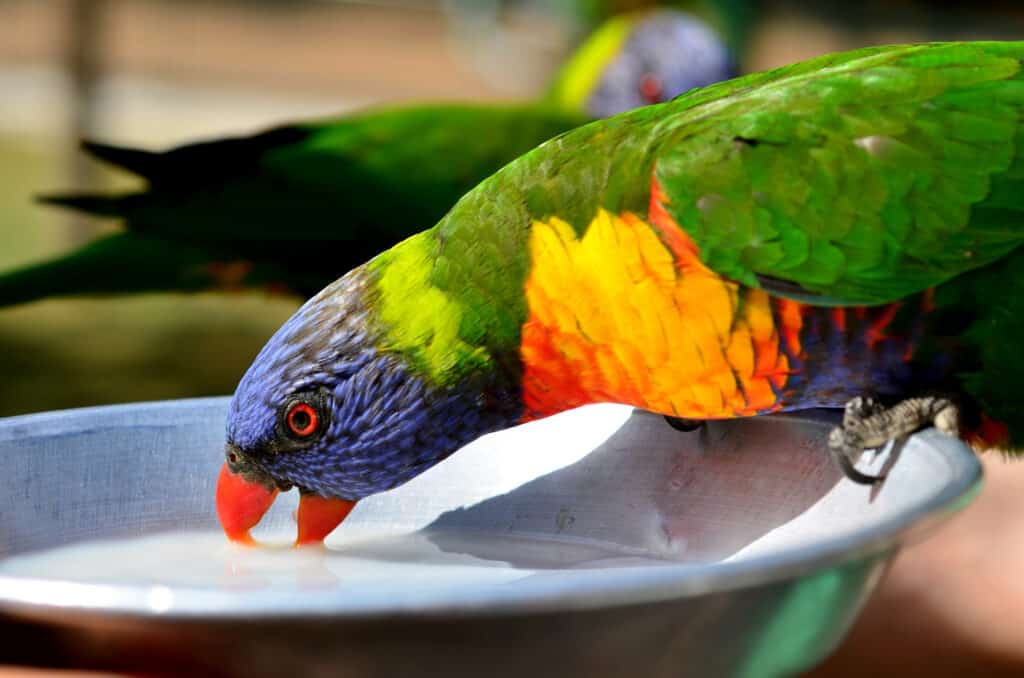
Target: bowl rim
29 597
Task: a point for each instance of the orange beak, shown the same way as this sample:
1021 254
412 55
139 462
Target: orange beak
318 516
241 504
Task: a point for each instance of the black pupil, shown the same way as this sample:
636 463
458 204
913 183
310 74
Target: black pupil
300 419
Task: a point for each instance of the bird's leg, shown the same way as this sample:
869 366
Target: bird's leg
867 424
685 425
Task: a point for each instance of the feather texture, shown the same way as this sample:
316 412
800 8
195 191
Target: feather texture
842 227
860 179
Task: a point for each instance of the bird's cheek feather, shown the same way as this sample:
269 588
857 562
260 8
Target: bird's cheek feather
240 505
318 516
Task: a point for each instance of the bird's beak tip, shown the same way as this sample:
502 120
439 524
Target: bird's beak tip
242 538
240 505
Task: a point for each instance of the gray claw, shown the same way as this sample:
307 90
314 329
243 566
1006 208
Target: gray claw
869 425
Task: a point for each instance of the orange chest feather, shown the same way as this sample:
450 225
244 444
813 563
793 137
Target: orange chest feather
627 313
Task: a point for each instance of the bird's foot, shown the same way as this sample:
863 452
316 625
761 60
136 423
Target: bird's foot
868 424
684 425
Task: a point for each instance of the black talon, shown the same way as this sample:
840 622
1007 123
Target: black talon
684 425
846 464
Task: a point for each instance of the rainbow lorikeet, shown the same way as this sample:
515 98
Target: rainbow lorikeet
294 207
843 230
733 19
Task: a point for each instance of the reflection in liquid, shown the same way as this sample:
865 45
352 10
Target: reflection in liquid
391 564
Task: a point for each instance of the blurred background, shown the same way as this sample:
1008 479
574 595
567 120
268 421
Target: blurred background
156 73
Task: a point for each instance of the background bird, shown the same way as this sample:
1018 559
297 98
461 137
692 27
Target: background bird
292 208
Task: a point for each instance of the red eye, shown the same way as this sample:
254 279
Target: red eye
302 420
651 88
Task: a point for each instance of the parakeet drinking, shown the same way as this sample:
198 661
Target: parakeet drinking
293 208
845 229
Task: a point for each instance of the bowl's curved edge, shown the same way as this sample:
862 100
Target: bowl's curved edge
585 590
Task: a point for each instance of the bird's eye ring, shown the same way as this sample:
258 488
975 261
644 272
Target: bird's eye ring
302 419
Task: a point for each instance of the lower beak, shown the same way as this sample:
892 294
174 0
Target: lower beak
318 516
241 504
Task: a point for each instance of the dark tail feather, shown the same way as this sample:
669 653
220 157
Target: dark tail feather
185 164
90 203
119 264
147 164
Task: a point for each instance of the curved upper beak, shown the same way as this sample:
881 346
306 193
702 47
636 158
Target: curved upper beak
241 504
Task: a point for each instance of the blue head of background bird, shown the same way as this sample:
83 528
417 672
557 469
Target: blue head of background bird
666 52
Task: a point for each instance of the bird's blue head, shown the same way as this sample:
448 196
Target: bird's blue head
323 409
665 53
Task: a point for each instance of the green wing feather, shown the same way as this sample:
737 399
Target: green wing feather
857 178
